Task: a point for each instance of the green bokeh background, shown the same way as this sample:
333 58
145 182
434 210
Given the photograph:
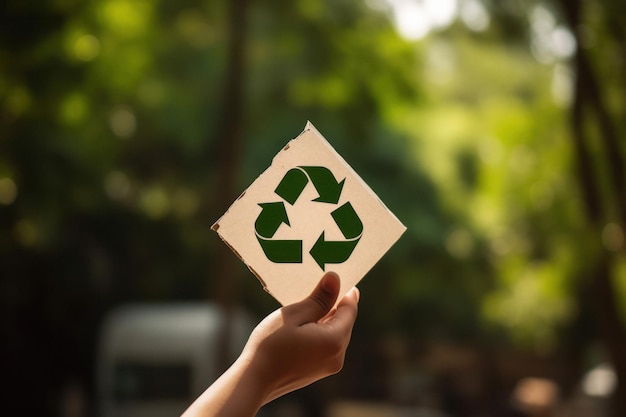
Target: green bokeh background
115 116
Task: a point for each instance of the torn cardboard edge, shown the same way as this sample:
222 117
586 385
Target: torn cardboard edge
309 126
215 227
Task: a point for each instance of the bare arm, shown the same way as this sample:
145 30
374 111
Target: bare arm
292 347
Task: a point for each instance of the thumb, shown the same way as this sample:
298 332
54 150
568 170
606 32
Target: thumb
319 302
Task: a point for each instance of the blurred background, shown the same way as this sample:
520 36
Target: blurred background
493 129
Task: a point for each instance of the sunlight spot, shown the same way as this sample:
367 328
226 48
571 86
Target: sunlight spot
474 15
25 233
414 19
411 22
549 41
542 19
441 13
127 18
310 9
333 92
542 23
613 237
154 202
195 28
378 5
600 381
18 100
86 48
563 44
459 243
8 191
123 122
117 185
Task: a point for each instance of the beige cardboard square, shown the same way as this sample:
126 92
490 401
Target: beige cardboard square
358 229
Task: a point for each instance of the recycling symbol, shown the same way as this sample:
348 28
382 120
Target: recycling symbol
273 214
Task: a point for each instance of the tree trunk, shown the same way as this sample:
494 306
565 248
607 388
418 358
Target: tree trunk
229 136
588 100
611 328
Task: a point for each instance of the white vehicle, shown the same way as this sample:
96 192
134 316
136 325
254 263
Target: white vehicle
154 360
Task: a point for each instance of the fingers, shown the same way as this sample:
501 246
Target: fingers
318 303
354 294
345 315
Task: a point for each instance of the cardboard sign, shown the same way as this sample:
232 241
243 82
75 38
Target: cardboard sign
308 213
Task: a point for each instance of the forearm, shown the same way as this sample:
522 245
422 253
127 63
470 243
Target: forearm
239 392
291 348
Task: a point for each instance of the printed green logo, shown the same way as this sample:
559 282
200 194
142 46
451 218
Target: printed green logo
273 214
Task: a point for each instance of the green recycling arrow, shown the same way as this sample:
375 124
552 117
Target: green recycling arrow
282 251
294 181
292 185
348 221
279 251
271 217
274 214
336 252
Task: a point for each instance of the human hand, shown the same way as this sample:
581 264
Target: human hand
303 342
292 347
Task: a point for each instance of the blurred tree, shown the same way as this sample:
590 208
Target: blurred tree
557 239
494 139
230 137
605 207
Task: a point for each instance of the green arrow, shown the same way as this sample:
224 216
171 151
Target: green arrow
332 252
325 183
348 221
282 251
291 185
270 219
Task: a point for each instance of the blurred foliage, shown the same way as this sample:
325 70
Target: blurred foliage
108 154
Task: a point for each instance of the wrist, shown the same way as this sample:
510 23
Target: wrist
238 392
254 378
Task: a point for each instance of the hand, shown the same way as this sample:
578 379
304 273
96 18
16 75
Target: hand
303 342
291 348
